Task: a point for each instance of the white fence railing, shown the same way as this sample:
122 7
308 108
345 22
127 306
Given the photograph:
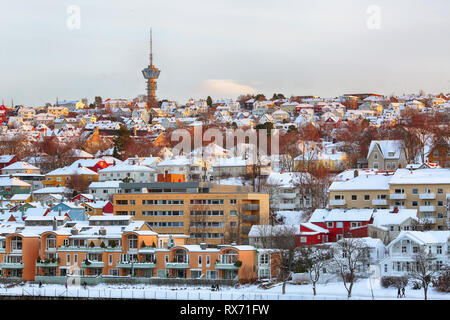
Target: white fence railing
159 294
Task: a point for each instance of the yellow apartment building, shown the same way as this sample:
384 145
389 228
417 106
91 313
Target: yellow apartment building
206 212
426 190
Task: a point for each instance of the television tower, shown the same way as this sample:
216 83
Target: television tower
151 73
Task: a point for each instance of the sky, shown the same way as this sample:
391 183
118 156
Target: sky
68 50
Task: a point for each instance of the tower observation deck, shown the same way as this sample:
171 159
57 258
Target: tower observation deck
151 73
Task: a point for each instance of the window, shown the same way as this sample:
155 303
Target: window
68 260
208 261
440 203
354 197
375 155
375 165
366 197
232 201
385 268
415 191
330 224
414 204
133 202
439 250
440 191
75 259
110 260
339 224
302 239
233 212
200 258
403 249
264 258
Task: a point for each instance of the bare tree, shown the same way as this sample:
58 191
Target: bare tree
348 255
423 270
315 259
283 239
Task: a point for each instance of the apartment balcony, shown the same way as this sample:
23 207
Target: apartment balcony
379 202
289 195
430 220
137 265
250 218
93 264
250 207
177 265
47 264
286 206
52 250
397 196
246 229
427 208
337 202
427 196
226 266
11 265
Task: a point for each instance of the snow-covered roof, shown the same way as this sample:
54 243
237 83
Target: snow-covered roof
421 176
384 217
105 184
69 171
52 190
8 182
389 148
424 237
287 179
124 167
329 215
363 182
20 165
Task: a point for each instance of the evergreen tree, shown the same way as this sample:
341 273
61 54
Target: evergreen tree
122 138
209 101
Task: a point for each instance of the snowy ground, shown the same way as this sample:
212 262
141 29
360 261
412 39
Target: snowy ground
330 291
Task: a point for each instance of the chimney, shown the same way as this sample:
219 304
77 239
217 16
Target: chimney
54 224
203 246
355 173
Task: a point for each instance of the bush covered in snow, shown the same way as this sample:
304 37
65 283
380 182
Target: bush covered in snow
397 282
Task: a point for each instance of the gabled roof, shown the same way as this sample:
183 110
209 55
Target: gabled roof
329 215
386 147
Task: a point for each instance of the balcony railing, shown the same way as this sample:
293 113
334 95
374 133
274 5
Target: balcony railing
249 218
250 207
427 196
379 202
93 264
11 265
427 208
288 195
137 265
337 202
397 196
177 265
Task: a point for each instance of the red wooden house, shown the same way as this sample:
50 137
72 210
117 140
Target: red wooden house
311 234
7 160
343 222
91 164
83 197
3 114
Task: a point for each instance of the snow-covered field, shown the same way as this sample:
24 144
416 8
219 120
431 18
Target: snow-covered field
329 291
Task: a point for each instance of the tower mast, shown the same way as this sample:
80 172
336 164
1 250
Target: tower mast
151 73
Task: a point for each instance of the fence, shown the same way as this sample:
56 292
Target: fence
132 280
151 294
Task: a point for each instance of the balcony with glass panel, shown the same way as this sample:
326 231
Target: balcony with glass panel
427 196
180 260
227 262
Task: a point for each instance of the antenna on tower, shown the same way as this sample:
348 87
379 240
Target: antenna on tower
151 48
